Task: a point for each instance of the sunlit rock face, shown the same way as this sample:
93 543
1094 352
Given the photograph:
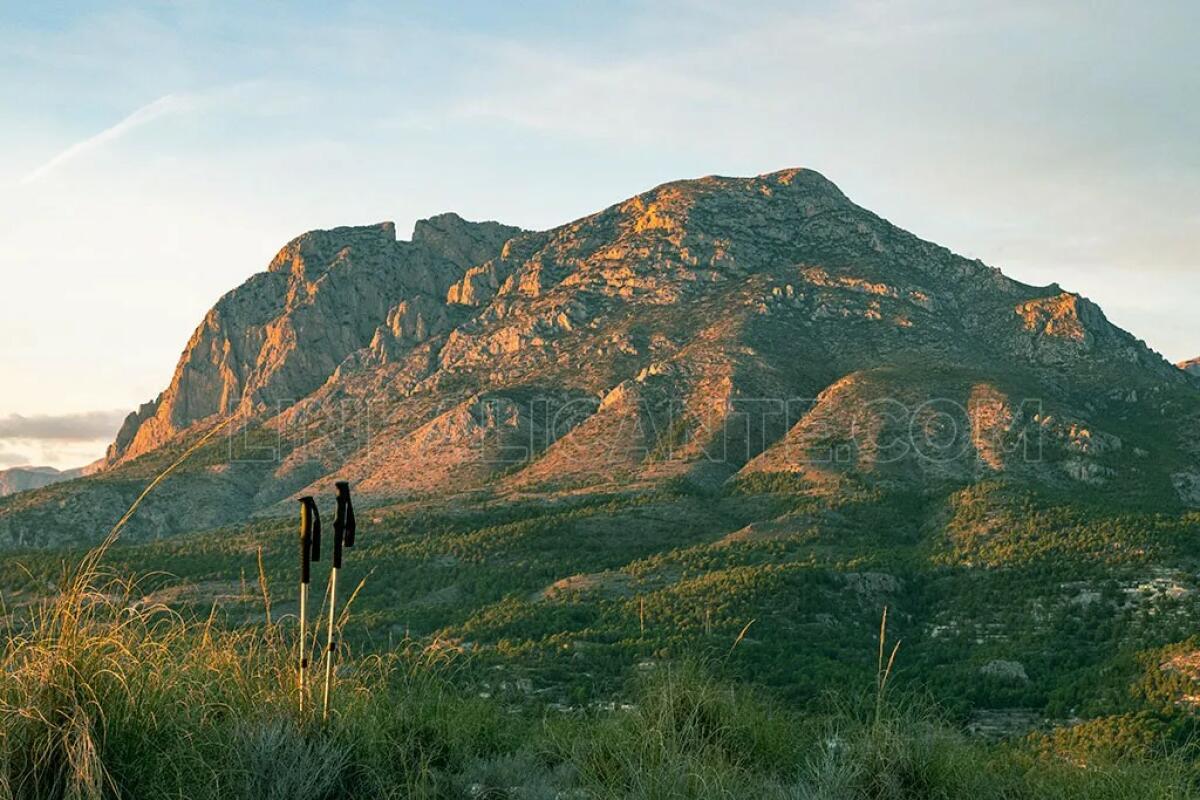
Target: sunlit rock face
325 295
705 329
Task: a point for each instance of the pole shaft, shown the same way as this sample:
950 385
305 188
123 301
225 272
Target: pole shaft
329 641
303 642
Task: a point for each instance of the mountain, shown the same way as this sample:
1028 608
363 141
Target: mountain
736 417
711 331
1192 367
22 479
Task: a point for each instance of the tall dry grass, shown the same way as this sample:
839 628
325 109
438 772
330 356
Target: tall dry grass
105 694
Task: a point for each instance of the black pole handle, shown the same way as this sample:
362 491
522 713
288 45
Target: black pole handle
308 508
343 523
343 488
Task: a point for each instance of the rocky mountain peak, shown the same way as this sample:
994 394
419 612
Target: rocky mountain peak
639 330
716 205
459 241
319 248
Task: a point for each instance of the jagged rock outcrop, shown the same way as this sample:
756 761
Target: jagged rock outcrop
711 328
325 295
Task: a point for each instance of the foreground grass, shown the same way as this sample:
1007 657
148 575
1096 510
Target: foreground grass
103 697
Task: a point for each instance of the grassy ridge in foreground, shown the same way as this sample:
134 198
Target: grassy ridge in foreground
104 698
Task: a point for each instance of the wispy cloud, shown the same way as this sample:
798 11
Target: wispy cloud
84 426
12 458
57 440
167 104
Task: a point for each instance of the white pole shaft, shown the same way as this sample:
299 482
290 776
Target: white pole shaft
329 641
303 642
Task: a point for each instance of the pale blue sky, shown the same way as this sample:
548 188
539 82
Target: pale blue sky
154 155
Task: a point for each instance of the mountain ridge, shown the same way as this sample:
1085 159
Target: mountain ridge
625 348
25 478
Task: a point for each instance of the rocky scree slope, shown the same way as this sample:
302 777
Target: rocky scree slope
712 330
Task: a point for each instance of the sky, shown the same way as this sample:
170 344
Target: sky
155 155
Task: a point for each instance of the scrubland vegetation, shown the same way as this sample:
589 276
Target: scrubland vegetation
683 662
105 696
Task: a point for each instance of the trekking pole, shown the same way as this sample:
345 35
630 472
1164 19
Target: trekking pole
310 551
343 534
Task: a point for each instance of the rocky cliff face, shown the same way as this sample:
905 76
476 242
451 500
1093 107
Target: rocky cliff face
325 295
712 329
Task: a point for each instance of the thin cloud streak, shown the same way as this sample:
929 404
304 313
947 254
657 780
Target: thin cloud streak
81 427
167 104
